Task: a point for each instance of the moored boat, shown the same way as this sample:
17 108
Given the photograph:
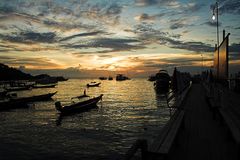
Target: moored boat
103 78
152 78
60 79
17 88
41 97
162 81
121 77
110 78
80 106
44 85
93 84
21 102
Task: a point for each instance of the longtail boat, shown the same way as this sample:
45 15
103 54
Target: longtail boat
18 88
79 106
42 97
93 84
44 85
22 102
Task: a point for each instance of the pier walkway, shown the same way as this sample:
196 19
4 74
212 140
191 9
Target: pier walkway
203 138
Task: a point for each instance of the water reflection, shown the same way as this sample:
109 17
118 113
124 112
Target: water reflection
161 100
129 110
62 117
59 120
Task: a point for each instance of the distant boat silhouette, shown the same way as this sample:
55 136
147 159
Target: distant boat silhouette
44 85
110 78
162 81
93 84
121 77
152 78
103 78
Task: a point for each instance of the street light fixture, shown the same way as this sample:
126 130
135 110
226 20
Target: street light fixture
215 17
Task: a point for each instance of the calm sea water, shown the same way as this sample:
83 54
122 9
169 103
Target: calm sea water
129 110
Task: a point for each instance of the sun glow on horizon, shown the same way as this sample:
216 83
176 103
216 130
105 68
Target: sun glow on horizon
136 36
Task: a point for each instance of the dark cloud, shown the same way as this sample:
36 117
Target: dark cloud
175 62
234 51
234 48
20 61
68 72
104 13
229 6
82 35
118 44
153 2
147 32
113 9
180 23
41 13
112 13
150 35
105 56
168 63
27 18
179 8
66 26
177 24
48 37
5 58
6 9
192 7
67 15
147 17
234 56
192 46
4 48
144 17
186 31
185 9
112 44
30 37
8 47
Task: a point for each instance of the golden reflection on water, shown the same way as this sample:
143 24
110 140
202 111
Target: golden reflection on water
130 110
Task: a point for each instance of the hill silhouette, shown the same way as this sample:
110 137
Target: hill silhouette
9 73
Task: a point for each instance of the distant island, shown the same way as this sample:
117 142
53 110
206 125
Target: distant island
9 73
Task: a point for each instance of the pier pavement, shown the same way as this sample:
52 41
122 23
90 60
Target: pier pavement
203 138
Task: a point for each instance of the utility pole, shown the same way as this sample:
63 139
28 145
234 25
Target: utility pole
215 9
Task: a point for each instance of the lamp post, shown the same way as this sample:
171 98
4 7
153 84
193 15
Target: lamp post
215 17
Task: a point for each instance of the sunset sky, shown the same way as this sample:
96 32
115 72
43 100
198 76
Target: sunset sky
103 36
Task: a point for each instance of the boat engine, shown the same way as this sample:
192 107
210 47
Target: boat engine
58 106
